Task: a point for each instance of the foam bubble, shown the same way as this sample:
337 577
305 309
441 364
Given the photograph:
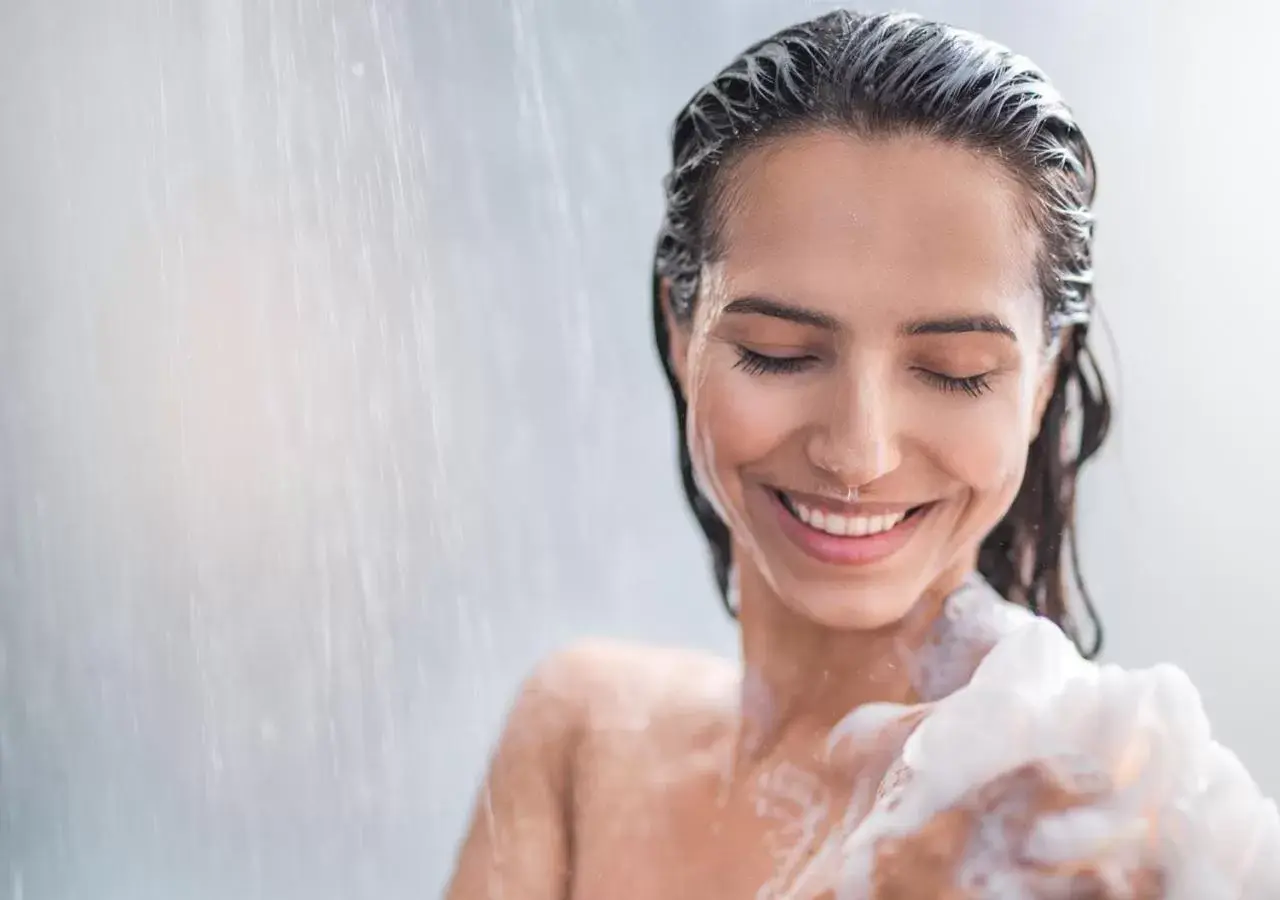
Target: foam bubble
1136 743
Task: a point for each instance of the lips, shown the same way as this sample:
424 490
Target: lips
846 533
843 524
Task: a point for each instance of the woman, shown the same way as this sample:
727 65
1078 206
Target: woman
872 294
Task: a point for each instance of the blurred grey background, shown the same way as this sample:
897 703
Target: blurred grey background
327 401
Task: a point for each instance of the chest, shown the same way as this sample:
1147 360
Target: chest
684 827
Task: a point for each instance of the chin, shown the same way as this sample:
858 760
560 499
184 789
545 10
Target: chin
844 606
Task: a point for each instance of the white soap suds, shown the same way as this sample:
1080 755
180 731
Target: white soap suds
1006 689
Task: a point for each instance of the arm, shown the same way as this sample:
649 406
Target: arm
517 847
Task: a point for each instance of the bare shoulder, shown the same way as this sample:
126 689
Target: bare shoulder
615 684
579 696
644 715
604 702
585 721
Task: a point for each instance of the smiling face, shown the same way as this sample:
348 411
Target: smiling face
865 370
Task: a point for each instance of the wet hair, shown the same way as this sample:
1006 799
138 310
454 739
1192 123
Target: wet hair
890 75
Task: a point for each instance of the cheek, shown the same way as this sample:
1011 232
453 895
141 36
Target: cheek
737 419
985 446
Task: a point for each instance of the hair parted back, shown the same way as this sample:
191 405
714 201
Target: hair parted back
898 74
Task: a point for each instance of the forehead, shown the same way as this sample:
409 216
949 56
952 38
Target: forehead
827 216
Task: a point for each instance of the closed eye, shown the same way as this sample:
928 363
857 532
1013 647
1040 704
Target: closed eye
756 363
761 364
973 385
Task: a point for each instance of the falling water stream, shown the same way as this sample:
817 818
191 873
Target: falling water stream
299 422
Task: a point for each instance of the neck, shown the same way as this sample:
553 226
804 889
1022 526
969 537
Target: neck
801 678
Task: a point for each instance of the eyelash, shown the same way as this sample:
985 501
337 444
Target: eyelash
973 385
759 364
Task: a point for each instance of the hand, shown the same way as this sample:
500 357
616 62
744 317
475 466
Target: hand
978 847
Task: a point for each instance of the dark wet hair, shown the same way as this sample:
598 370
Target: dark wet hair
898 74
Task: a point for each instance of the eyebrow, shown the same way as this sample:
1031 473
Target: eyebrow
984 323
762 306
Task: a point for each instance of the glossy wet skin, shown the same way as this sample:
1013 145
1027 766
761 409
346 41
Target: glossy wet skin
895 279
872 322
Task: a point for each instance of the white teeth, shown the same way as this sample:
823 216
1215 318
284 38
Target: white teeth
834 523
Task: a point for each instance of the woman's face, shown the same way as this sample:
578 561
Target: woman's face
866 368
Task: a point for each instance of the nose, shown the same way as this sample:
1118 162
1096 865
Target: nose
855 437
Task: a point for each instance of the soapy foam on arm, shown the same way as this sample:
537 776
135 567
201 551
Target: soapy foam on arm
1004 689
